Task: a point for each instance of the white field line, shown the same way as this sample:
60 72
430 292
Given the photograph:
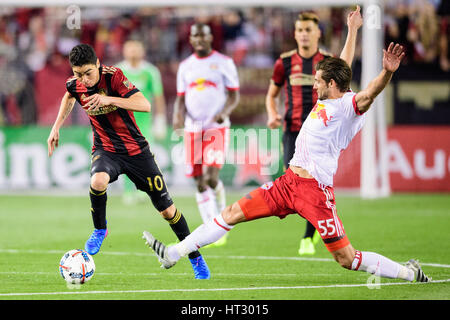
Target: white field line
218 289
142 254
154 274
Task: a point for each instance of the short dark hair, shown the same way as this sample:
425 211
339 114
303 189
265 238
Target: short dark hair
336 69
308 16
81 55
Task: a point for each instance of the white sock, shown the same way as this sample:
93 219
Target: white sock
206 202
205 234
219 192
379 265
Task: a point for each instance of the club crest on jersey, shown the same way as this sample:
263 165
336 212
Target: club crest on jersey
320 112
128 84
267 185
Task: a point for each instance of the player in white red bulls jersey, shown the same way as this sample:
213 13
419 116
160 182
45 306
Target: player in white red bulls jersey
328 130
207 92
306 187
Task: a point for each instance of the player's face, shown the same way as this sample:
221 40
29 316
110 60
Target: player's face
321 86
307 33
87 74
133 51
200 41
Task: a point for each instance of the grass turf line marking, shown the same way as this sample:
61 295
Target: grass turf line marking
142 254
220 289
161 274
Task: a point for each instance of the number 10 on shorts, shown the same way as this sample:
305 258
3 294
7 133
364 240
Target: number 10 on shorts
157 183
326 227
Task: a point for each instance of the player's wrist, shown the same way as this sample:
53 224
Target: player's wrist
273 115
387 72
353 29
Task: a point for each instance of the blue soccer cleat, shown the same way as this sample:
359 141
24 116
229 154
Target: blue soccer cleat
200 267
95 241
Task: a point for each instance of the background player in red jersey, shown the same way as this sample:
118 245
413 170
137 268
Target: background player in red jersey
295 71
110 99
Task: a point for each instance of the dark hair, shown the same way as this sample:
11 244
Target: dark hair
81 55
336 69
308 16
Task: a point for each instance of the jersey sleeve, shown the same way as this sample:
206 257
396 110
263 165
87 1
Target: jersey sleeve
278 75
231 75
122 85
71 84
349 105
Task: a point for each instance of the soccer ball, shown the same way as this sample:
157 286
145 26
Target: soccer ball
77 266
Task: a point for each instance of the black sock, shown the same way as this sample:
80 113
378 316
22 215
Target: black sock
98 208
309 230
180 228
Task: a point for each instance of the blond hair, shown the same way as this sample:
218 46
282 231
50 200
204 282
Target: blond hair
308 16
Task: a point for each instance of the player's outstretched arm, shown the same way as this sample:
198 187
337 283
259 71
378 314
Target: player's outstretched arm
354 22
67 103
391 61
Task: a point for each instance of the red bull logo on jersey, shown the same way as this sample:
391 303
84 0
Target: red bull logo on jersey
320 112
201 84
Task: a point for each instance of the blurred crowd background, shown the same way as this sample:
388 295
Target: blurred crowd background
35 42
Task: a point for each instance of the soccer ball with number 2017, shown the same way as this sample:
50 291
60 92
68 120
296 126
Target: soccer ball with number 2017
77 266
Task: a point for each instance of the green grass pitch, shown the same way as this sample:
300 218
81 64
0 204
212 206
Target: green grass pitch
259 262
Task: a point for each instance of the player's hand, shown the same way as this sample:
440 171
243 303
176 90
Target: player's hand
274 121
220 117
52 141
354 19
392 57
96 101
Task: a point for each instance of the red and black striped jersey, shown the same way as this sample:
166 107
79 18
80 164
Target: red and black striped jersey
297 74
114 129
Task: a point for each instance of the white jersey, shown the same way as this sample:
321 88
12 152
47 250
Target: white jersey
203 82
328 130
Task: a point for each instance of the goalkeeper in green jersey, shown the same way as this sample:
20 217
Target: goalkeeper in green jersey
147 78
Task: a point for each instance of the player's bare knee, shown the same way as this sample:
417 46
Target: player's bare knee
233 214
212 181
344 260
99 181
168 213
200 183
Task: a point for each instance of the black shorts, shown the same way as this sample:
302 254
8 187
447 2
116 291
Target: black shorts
289 138
141 169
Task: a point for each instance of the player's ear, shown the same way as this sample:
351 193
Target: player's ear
332 84
98 63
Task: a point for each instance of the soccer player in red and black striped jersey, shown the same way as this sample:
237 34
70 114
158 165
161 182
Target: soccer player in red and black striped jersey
109 100
295 71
